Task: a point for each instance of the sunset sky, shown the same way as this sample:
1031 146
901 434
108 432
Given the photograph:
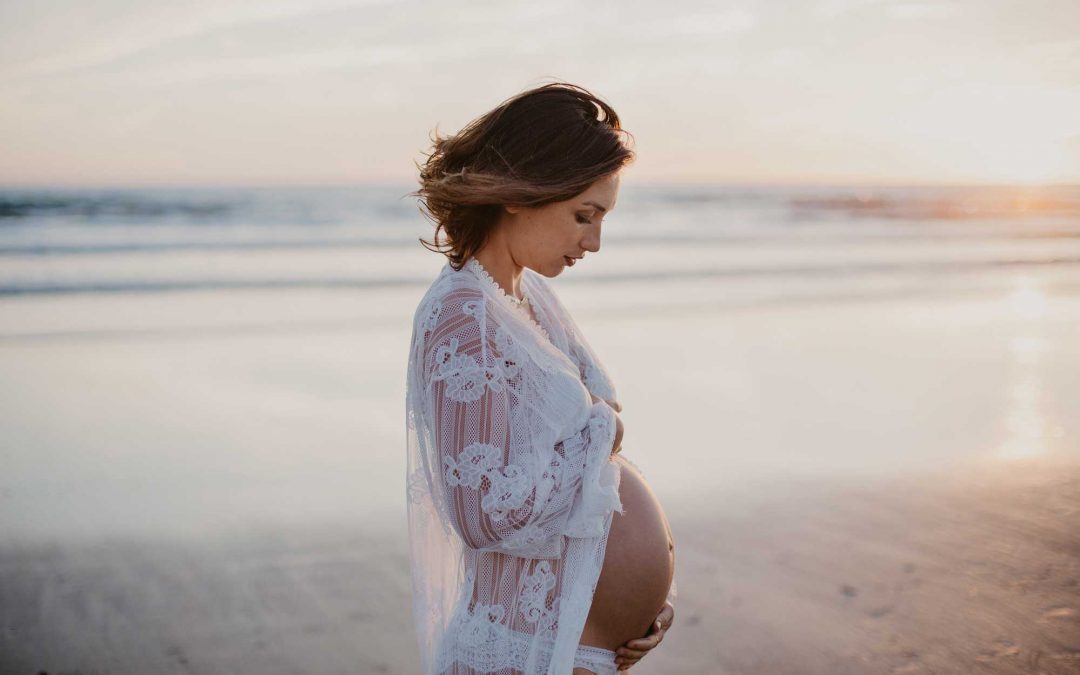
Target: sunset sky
337 91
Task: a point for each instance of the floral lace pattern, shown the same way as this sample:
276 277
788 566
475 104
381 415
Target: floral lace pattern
512 355
509 485
474 462
532 602
483 625
465 378
486 644
510 488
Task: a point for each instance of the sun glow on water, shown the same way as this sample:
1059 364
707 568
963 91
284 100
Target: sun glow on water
1028 425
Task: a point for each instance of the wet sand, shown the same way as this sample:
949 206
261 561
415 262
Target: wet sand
974 571
977 571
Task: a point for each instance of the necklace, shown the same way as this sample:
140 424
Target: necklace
477 270
482 273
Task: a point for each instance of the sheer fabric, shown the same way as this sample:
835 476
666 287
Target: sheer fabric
509 480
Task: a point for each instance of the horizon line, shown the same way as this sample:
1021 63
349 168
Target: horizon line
656 182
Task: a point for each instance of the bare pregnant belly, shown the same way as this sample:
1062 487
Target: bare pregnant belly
639 565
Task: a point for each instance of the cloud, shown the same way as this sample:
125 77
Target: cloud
923 10
832 8
161 25
893 9
704 23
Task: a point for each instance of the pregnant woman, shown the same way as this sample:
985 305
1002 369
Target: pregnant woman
536 547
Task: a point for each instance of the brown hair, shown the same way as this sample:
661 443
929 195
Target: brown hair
543 145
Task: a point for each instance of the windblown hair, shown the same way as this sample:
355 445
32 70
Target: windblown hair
544 145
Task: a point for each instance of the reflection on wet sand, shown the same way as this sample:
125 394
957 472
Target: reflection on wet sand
1027 420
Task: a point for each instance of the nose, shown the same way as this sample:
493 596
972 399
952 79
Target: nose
591 240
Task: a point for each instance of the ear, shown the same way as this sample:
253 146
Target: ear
511 209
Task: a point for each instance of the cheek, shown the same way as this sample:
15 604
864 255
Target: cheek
570 234
554 241
551 240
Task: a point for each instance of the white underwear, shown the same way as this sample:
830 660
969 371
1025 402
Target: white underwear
597 659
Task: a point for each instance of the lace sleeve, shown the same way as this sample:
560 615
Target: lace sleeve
505 490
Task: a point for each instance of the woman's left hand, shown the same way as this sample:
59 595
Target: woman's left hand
631 652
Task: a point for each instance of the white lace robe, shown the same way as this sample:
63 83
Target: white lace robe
510 484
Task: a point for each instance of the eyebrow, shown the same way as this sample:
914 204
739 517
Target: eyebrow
596 205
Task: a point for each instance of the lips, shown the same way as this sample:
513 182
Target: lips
570 261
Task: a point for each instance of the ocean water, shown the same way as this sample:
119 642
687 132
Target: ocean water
182 360
754 241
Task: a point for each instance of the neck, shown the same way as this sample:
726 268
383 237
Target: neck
502 267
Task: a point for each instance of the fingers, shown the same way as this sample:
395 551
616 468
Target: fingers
641 646
656 631
634 650
626 661
628 657
655 636
646 643
659 626
667 615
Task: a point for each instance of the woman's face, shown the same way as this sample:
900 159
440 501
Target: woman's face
550 238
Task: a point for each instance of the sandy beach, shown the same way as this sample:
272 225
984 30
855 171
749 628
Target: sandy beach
830 535
976 572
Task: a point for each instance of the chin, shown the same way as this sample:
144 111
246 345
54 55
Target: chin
550 272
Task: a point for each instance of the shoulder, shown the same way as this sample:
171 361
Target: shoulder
455 308
448 293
